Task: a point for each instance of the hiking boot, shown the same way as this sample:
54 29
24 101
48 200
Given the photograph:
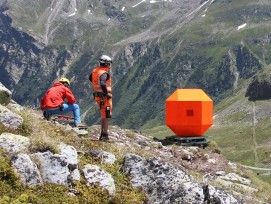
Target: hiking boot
46 115
104 137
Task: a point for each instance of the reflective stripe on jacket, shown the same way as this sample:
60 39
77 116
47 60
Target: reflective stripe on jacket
55 96
96 75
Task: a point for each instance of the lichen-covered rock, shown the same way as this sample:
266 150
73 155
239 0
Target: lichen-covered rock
27 169
18 138
94 174
10 119
70 152
165 183
54 168
11 146
75 175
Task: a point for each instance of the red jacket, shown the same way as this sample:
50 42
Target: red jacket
56 95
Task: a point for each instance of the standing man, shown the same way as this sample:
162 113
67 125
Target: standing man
53 102
102 92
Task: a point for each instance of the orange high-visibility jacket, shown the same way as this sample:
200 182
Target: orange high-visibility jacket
96 74
55 96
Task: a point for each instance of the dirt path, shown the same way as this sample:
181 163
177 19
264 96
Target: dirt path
255 145
256 168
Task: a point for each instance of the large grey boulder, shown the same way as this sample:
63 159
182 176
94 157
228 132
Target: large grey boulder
27 169
59 168
5 95
70 152
53 167
94 174
13 143
72 159
10 119
166 184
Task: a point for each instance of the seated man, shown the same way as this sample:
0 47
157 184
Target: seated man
53 101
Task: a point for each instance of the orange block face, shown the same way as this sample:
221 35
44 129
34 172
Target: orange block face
189 112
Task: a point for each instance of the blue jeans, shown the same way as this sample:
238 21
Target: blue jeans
67 108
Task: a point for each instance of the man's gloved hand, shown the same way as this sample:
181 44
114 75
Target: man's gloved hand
109 95
61 108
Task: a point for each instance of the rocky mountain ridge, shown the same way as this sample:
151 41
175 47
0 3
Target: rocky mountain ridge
162 173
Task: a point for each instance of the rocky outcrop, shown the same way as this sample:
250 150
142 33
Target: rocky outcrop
165 183
54 167
259 88
95 174
27 169
17 138
59 168
247 63
10 119
11 147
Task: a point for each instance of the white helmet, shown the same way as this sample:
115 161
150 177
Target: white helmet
105 60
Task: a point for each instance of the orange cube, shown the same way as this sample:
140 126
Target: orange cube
189 112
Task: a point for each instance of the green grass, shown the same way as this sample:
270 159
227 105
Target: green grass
263 177
159 132
235 142
227 102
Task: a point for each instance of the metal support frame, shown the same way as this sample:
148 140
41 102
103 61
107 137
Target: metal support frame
190 141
